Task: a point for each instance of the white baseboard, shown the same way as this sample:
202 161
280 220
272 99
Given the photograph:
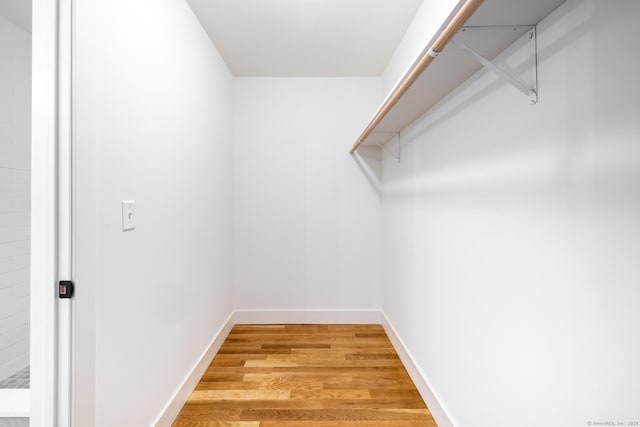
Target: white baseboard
177 401
419 379
265 317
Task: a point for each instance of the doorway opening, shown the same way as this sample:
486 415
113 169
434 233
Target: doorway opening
15 210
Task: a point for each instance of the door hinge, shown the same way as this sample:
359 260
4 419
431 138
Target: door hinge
65 289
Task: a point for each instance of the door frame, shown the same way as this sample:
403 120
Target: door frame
43 345
50 345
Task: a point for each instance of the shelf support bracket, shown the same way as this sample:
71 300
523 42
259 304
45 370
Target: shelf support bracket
395 155
530 90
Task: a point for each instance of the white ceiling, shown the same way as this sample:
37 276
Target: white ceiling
306 38
18 12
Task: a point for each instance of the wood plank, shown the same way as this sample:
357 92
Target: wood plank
403 423
213 395
216 423
262 385
377 404
333 414
330 394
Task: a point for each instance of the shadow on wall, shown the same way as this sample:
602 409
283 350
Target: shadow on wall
369 160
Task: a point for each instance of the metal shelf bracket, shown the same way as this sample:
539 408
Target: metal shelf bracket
531 89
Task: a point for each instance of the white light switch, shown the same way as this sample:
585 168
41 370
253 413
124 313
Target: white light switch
128 215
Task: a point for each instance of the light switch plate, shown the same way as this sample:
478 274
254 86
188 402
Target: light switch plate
128 215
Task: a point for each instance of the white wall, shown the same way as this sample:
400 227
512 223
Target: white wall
154 125
15 158
306 218
512 239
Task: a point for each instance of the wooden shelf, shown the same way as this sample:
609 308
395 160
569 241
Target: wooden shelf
431 79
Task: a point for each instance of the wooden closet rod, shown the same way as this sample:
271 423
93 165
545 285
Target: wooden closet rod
458 21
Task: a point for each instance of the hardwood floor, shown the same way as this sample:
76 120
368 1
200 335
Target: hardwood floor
305 376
